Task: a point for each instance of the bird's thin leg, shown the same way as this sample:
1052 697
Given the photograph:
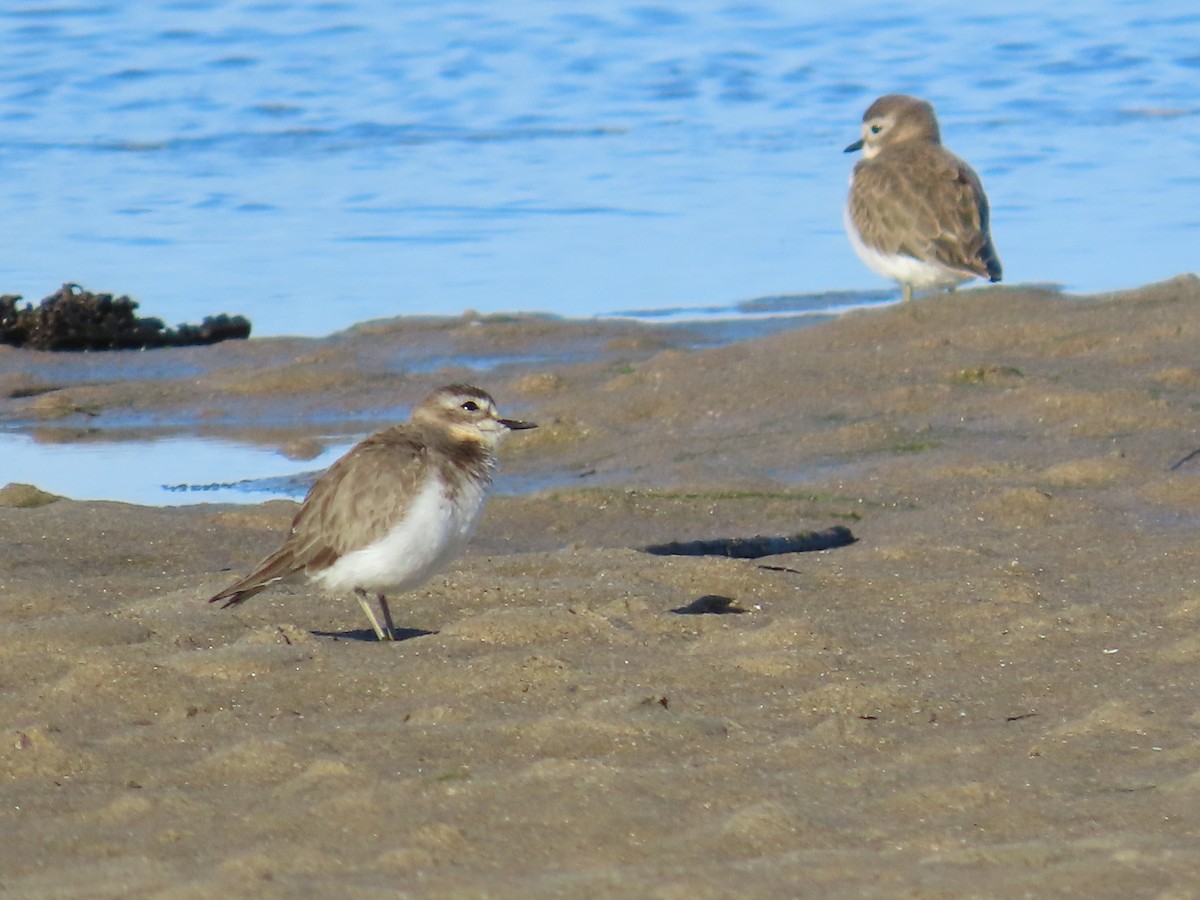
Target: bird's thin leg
361 596
387 617
907 293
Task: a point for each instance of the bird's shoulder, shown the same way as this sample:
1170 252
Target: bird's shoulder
921 200
915 168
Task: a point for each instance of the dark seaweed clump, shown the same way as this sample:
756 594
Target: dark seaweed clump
75 319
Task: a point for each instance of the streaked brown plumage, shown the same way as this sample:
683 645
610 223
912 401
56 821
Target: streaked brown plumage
917 213
396 507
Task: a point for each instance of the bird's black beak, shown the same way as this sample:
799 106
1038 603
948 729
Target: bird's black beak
517 424
857 145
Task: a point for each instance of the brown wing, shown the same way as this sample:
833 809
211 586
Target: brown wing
356 501
923 201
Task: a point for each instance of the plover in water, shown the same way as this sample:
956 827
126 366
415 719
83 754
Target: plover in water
396 508
916 213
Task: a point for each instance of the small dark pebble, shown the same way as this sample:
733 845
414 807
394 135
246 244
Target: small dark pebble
75 319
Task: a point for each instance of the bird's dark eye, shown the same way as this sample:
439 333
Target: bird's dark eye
875 129
471 406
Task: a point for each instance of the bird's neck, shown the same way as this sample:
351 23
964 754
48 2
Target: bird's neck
466 459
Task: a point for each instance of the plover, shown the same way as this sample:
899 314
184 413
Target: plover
916 213
396 508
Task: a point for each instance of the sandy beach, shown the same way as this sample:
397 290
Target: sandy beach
991 692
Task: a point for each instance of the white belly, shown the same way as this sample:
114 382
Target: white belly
908 270
434 531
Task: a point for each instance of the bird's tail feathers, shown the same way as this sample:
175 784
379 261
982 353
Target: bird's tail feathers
272 569
234 595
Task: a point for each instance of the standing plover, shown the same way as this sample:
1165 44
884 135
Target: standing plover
916 212
396 508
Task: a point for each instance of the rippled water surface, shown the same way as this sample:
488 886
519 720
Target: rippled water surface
314 164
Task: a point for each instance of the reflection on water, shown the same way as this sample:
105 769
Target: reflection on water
145 453
183 471
770 312
166 472
362 159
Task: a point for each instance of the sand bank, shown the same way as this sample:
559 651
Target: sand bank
993 690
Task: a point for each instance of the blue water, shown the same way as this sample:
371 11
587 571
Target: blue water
165 472
315 164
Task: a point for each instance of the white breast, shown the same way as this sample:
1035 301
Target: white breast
433 532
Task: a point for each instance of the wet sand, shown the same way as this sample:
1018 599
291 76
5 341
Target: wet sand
993 692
